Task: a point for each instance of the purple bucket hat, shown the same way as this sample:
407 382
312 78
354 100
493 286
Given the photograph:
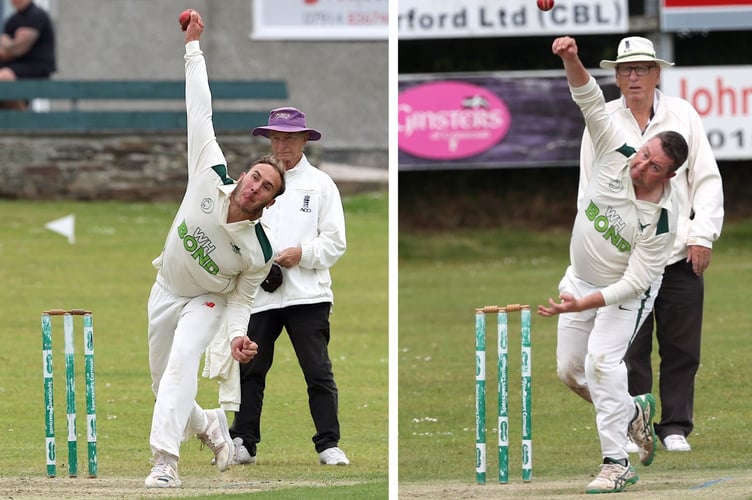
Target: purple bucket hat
287 120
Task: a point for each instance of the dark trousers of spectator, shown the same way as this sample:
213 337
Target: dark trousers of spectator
678 325
19 104
308 329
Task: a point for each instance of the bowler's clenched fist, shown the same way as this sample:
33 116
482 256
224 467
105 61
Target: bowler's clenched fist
243 349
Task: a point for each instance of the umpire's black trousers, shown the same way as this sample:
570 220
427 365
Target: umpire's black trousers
678 326
308 328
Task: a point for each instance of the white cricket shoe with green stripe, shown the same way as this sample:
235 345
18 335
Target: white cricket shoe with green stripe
612 478
641 430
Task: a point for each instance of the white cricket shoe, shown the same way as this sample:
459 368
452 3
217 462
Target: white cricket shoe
217 437
612 478
333 456
164 474
242 455
676 442
640 429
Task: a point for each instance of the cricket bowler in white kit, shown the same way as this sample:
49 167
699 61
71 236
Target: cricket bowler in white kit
622 238
642 110
216 255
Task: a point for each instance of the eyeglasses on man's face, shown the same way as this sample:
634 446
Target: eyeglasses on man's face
641 70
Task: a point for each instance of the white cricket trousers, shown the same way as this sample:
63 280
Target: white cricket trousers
180 329
590 360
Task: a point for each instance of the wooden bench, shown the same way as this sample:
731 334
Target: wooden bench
107 105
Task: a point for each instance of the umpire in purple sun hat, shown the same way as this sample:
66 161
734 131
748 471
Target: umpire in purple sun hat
287 120
308 228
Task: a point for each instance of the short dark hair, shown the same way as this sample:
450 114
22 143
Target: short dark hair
272 160
674 146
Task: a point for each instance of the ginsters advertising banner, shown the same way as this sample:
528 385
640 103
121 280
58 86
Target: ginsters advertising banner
528 119
516 119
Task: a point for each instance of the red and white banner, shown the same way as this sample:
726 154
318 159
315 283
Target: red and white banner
706 15
722 95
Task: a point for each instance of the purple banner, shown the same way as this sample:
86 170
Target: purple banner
515 119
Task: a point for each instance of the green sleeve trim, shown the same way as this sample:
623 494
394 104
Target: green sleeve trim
662 223
626 150
221 171
266 245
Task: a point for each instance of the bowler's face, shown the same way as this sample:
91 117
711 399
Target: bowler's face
650 166
257 188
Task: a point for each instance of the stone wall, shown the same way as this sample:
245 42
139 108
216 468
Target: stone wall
111 167
342 85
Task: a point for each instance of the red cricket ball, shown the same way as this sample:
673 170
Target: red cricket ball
545 5
185 19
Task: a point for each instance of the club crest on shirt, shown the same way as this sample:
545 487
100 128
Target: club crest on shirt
207 205
615 185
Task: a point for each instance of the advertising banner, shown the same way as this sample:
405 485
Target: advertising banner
491 18
722 95
528 119
490 120
706 15
320 20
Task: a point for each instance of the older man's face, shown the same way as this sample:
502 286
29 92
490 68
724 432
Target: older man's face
288 146
638 80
